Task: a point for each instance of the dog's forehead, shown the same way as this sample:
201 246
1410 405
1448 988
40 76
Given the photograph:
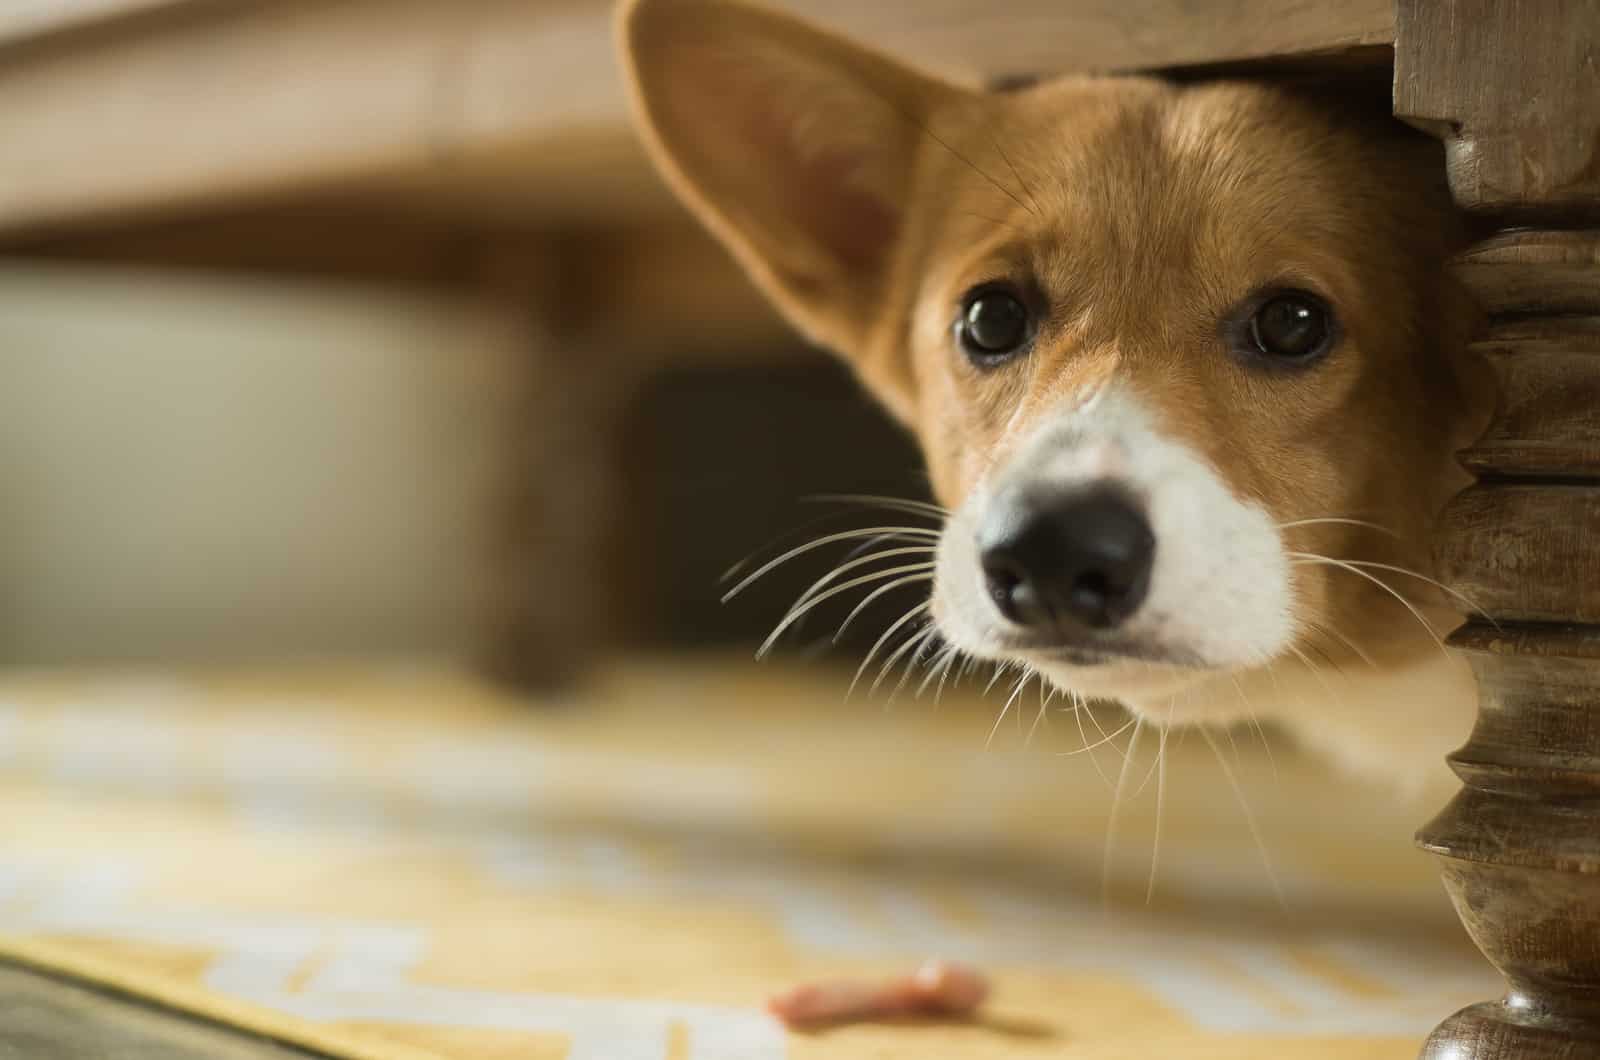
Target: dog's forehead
1127 157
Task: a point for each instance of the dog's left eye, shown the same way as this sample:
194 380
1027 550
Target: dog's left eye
995 324
1287 326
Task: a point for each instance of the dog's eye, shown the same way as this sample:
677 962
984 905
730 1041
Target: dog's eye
1291 326
995 324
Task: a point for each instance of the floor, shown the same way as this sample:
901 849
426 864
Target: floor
396 863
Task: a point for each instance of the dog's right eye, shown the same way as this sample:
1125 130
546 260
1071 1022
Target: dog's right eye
1281 328
995 324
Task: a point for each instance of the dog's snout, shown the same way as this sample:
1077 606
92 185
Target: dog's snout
1067 561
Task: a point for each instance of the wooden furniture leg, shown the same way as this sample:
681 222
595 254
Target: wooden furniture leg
555 592
1513 89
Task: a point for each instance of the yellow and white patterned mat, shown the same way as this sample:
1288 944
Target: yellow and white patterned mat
403 865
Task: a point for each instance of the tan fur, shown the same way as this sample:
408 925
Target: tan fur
866 198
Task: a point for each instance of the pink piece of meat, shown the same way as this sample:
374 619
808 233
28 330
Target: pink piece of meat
938 988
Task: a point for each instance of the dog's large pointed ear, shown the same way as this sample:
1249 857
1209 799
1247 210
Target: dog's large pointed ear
795 147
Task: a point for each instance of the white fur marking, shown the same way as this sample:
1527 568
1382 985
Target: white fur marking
1220 592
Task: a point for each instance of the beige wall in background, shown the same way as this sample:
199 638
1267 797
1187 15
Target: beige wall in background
200 469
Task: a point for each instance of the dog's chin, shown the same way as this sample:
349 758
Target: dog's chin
1137 672
1140 683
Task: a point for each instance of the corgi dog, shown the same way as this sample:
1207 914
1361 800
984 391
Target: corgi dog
1183 359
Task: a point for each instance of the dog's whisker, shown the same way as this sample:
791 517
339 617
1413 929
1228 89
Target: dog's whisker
1095 721
999 672
1330 631
909 644
922 127
1466 601
1016 690
930 673
876 594
784 540
1027 191
963 159
1322 653
1345 565
1339 520
862 605
1149 775
1046 693
867 545
855 564
1116 810
1041 718
914 642
943 663
1249 817
1255 723
954 654
795 613
1266 745
1089 748
929 636
1322 679
821 542
1233 745
1271 670
1078 710
1161 800
877 500
883 639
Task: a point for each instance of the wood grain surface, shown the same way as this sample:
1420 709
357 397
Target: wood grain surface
1513 90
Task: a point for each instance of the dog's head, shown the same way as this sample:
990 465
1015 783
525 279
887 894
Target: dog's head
1162 345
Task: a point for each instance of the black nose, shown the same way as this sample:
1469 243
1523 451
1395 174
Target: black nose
1068 560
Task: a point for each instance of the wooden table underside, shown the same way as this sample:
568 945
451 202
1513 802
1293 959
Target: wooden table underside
499 108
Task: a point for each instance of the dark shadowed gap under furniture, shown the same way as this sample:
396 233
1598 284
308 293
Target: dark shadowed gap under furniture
721 463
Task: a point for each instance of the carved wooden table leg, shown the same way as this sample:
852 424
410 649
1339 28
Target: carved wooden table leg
1513 89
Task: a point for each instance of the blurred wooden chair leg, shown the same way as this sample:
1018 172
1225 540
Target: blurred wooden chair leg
556 593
